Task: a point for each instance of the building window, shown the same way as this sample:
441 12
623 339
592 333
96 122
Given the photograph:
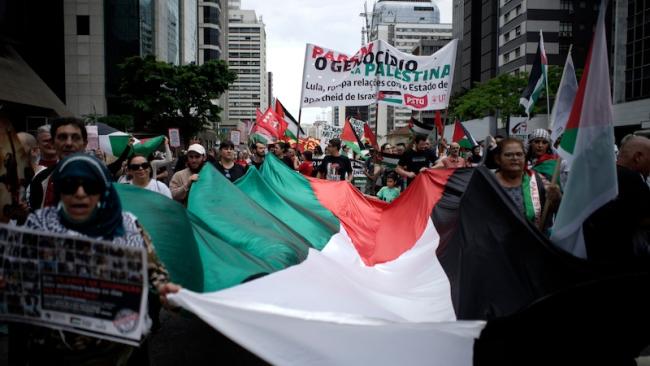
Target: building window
517 52
211 36
518 31
566 4
83 25
210 55
566 29
506 17
506 57
518 10
506 37
211 15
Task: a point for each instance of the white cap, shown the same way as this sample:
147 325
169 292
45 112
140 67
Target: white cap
197 148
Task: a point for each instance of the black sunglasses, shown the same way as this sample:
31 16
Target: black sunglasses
91 187
144 165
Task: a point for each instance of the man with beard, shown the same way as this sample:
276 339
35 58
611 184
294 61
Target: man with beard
258 151
182 180
226 163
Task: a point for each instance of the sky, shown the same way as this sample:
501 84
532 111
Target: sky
291 24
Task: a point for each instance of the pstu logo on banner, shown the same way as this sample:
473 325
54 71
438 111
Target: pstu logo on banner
415 101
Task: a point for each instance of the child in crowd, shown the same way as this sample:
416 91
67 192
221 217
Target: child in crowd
389 192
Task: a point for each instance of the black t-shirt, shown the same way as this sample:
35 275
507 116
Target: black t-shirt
256 164
287 160
235 172
609 232
414 160
334 168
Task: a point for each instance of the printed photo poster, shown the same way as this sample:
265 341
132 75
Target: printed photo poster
14 170
174 137
74 284
378 73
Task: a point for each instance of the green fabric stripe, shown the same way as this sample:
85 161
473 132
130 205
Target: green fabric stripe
226 237
296 190
569 138
193 253
353 146
309 227
528 199
148 147
465 143
171 233
290 134
546 168
118 143
242 223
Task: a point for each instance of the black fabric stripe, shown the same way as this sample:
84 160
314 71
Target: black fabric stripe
496 261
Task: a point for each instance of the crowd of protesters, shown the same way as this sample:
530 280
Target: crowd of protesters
72 192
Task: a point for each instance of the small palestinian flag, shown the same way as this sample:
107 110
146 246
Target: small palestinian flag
462 136
113 142
389 96
537 78
390 160
420 128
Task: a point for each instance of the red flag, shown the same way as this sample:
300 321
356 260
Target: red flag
439 125
348 132
367 133
270 123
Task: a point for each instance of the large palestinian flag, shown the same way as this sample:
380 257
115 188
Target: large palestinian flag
307 271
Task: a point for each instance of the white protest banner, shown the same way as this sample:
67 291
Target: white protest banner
174 137
378 72
75 284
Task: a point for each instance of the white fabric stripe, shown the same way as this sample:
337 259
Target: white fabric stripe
333 309
287 340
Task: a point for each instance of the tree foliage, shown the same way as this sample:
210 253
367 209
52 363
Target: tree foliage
501 94
161 95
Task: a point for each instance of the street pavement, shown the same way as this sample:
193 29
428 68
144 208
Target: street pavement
185 340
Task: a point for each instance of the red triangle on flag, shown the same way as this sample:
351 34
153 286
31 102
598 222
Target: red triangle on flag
459 132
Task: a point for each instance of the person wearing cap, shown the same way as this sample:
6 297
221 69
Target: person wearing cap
182 180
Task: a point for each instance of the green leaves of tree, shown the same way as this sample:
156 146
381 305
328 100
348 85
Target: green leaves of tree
162 95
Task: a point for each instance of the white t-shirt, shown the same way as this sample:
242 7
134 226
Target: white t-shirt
155 186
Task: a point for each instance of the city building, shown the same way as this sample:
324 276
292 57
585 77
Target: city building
477 46
212 24
501 36
246 57
189 28
630 64
402 23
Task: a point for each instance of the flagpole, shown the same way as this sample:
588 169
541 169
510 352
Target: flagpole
548 99
302 91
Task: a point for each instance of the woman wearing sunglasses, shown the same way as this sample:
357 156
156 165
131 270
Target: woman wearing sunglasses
90 207
140 169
